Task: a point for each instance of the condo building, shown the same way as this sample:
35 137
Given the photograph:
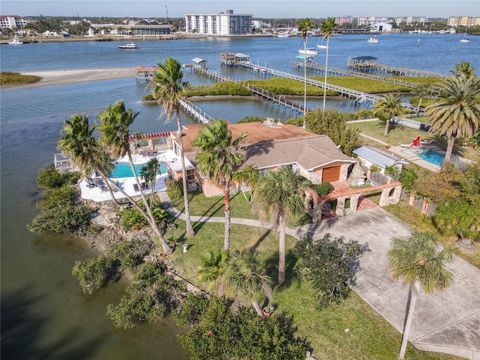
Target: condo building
12 22
455 21
225 23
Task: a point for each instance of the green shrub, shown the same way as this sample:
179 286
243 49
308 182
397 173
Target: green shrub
323 188
393 172
132 219
250 119
408 178
282 86
148 97
15 78
94 273
152 295
366 85
330 265
130 254
50 178
174 188
226 88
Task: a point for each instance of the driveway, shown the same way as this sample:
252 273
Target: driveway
445 322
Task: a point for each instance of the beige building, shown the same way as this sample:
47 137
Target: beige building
271 146
455 21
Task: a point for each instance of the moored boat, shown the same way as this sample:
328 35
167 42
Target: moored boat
129 46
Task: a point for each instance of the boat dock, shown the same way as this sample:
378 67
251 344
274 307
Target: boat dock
320 69
369 64
281 100
195 111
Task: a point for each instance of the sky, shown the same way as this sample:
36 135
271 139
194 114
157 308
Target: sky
260 8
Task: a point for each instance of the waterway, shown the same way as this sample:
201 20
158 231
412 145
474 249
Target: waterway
44 313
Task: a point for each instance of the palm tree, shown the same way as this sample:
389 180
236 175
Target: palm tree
168 86
219 159
304 26
329 27
464 68
114 127
389 106
213 269
421 264
278 194
457 111
79 143
246 279
250 177
421 91
149 173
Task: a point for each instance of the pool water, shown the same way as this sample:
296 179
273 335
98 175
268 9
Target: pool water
433 157
123 170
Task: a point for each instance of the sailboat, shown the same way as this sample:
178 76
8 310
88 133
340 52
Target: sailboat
373 40
464 39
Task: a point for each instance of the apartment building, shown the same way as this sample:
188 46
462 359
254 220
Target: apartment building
224 23
12 22
409 20
455 21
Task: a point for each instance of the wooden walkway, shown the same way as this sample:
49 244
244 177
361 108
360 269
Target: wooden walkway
394 70
317 68
195 111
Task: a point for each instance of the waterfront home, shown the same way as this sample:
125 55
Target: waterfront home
372 157
271 145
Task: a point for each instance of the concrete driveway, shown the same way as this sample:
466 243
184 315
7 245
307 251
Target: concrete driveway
446 322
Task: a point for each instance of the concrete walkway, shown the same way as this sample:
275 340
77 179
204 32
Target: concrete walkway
446 322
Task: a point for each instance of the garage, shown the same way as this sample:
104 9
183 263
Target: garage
330 174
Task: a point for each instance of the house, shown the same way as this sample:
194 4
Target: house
381 27
370 156
270 146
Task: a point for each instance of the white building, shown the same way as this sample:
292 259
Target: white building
12 22
455 21
381 27
370 20
409 20
226 23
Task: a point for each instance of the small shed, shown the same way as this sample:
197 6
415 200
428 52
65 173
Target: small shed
370 156
199 62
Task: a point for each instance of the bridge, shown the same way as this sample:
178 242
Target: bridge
259 92
195 111
343 72
358 96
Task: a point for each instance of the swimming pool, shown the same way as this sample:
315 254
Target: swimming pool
433 157
123 170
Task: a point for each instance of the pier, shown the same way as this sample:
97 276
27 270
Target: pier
317 68
369 64
281 100
195 111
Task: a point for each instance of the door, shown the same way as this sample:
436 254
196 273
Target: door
330 174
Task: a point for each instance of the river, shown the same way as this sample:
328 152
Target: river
44 313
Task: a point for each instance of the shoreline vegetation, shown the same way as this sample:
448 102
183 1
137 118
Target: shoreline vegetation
10 79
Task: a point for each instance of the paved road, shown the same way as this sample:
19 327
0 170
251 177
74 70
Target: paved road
444 322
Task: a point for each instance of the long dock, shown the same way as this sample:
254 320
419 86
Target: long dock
318 68
261 93
358 96
195 111
373 66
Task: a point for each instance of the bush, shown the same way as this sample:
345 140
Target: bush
50 178
226 88
323 188
282 86
94 273
250 119
130 254
174 188
148 97
132 219
393 172
330 265
458 217
408 178
213 332
152 295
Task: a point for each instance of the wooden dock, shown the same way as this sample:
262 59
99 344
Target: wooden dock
375 67
281 100
195 111
320 69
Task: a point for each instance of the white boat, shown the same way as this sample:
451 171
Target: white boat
323 47
129 46
309 51
15 41
373 40
283 35
464 40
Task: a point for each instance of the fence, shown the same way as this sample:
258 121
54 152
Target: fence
420 203
410 123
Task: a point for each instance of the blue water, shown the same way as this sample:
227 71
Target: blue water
123 170
433 157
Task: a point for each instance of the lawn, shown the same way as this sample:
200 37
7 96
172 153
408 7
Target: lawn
420 222
369 335
14 78
365 85
425 101
397 135
421 80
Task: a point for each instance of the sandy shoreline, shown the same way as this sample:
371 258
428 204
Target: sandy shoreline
71 76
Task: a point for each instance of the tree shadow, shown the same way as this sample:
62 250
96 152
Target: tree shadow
260 240
22 331
271 268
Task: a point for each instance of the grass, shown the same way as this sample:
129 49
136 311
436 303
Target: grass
397 135
14 78
421 80
420 222
370 336
284 86
223 88
365 85
425 101
200 205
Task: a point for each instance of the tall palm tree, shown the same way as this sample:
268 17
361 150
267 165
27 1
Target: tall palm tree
246 279
149 173
389 106
329 27
168 86
464 68
114 130
213 269
304 26
219 158
457 111
79 143
248 176
419 262
421 91
279 194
